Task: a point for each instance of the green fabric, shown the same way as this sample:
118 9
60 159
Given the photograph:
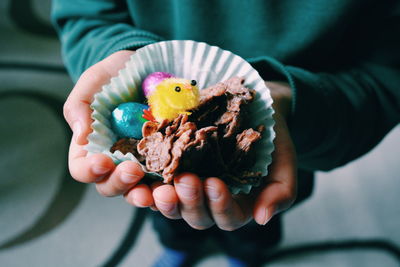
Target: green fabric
341 57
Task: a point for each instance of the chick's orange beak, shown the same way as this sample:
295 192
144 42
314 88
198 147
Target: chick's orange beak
187 87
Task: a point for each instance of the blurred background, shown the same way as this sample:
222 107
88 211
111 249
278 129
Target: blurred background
47 219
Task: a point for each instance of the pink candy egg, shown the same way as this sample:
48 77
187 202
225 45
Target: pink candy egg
151 81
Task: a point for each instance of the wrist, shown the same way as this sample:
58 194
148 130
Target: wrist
282 96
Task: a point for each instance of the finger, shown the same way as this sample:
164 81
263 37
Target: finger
124 177
189 189
166 201
226 212
276 198
77 107
88 169
280 191
153 186
140 196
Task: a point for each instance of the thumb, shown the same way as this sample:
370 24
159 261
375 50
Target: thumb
77 114
276 197
280 189
77 110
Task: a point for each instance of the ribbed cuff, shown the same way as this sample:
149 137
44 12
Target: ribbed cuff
132 41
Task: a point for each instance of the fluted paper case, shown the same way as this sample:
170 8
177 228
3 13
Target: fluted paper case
207 65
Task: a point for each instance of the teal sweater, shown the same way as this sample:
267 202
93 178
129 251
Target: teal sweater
341 57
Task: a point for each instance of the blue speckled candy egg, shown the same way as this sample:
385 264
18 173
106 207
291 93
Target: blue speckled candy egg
127 120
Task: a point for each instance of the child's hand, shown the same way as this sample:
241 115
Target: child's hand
205 203
100 169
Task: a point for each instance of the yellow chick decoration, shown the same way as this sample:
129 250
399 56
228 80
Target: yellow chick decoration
173 96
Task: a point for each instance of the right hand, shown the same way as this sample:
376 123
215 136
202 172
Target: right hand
110 180
203 203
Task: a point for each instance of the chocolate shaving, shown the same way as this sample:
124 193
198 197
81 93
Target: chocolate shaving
127 145
176 153
245 139
244 142
156 148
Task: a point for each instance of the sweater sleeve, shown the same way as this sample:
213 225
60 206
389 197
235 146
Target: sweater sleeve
92 33
340 115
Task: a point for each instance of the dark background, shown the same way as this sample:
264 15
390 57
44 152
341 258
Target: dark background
47 219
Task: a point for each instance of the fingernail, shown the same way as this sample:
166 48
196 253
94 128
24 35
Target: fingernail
128 178
165 206
100 170
187 191
267 216
212 193
77 129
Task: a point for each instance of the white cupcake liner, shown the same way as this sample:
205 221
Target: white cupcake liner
198 61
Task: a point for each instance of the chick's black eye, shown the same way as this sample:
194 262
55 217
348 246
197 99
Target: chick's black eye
177 89
193 82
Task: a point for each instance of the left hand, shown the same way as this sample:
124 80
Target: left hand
205 203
